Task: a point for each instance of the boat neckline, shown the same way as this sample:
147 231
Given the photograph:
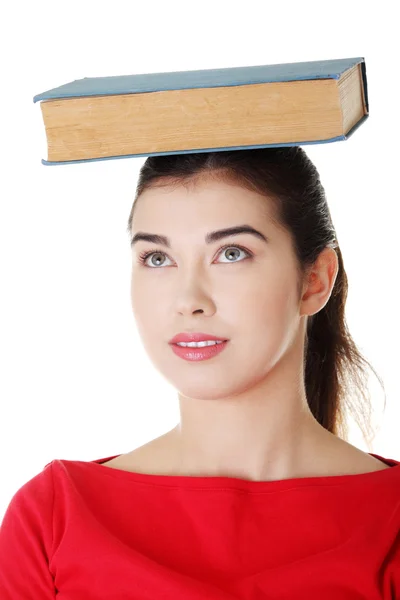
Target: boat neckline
218 480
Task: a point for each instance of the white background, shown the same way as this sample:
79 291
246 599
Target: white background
75 382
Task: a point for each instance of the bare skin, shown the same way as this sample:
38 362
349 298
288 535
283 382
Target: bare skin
335 457
243 413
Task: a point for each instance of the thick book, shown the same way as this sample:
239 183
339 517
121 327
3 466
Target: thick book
123 116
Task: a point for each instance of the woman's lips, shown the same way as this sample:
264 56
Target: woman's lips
202 353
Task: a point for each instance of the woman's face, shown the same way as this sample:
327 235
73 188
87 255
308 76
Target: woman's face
246 293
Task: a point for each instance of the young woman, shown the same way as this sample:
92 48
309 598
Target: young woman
255 493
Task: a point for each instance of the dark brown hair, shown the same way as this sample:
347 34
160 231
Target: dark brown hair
334 370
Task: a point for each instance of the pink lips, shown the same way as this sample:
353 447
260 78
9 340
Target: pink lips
195 337
202 353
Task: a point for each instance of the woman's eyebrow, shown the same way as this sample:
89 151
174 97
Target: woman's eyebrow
211 237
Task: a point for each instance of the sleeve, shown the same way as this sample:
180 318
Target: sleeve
26 537
391 578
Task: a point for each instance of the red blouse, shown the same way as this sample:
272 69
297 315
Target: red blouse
83 531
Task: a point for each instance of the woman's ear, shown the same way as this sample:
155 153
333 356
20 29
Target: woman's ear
319 282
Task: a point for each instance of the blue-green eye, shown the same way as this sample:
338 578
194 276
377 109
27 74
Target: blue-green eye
144 255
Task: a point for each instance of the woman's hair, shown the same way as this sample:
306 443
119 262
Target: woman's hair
334 367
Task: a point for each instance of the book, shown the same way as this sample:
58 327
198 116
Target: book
123 116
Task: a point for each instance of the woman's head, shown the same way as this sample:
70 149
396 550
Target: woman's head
274 296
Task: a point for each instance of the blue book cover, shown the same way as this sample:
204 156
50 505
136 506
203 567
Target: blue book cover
234 76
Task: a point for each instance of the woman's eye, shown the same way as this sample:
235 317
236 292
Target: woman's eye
234 252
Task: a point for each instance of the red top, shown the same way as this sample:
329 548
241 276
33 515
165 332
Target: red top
83 531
